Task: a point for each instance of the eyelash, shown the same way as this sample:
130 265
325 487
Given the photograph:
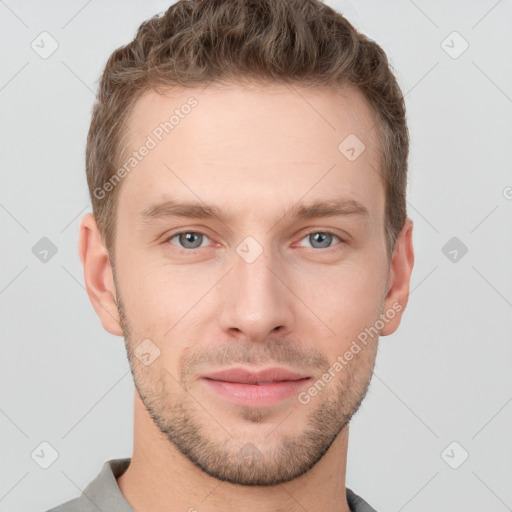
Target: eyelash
324 232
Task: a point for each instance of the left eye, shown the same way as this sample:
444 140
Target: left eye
321 239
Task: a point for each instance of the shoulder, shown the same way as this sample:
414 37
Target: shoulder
102 493
80 504
356 503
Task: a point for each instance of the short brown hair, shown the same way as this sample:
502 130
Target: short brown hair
302 42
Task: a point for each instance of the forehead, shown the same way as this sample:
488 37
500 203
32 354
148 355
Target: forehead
253 147
218 110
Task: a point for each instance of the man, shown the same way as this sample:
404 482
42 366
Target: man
247 166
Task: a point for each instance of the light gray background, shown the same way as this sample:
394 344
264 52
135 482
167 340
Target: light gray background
443 377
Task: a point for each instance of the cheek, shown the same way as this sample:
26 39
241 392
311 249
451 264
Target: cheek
348 302
151 292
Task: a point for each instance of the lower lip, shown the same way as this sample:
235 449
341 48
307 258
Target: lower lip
254 394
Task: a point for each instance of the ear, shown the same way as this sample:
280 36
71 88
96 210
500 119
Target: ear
98 277
399 278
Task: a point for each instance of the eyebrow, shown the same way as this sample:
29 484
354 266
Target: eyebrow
316 209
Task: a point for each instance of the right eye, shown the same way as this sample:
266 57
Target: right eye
188 240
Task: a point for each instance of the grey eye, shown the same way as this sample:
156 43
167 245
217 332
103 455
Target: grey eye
189 239
321 239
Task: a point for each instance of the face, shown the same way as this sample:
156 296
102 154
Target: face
250 257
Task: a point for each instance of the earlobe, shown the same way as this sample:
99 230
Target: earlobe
400 270
98 274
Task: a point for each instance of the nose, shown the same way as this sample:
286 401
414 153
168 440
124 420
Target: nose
256 299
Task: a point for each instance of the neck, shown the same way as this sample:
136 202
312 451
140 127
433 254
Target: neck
160 477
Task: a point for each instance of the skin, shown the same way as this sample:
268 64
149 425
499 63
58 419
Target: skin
255 153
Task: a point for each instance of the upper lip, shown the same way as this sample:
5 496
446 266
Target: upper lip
243 376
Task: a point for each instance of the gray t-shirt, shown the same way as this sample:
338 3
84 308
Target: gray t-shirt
103 493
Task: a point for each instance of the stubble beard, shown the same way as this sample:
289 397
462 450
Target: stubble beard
186 424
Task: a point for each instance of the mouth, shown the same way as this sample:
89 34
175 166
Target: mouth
264 387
